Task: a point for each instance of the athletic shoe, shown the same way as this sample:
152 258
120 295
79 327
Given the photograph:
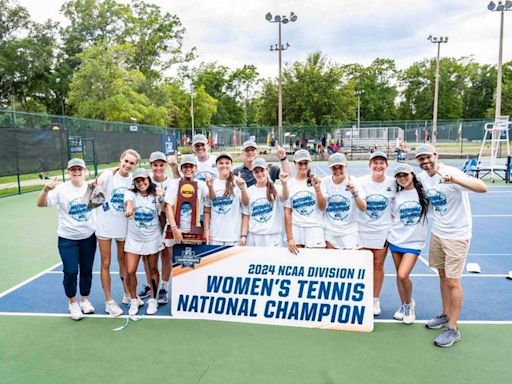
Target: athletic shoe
162 296
376 307
399 314
113 309
447 338
86 307
145 292
75 311
134 307
127 300
440 321
152 307
409 314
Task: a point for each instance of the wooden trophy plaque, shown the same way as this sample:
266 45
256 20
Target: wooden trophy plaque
187 194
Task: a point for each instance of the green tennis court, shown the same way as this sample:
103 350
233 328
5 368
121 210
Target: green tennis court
54 349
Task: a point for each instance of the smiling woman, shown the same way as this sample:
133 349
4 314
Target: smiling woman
77 242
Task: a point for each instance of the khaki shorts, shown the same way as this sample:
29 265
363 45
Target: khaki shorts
448 254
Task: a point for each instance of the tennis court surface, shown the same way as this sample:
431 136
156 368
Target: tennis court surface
39 343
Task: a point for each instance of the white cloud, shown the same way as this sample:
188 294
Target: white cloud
234 32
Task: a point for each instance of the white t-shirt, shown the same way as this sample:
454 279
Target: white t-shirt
171 197
111 222
340 216
206 167
76 221
226 213
408 227
379 197
265 218
302 201
145 225
449 204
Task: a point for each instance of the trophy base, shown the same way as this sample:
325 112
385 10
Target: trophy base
188 238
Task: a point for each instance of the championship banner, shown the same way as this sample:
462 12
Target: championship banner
318 288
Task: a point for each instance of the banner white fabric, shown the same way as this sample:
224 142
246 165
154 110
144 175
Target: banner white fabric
318 288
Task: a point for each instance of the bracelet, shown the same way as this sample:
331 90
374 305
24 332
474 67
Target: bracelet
354 195
243 190
287 240
243 236
284 158
173 227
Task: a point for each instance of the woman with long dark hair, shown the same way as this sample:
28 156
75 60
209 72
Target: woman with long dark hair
143 205
407 235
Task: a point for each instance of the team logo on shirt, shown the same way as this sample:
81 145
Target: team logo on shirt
376 204
78 210
221 204
117 199
303 203
144 217
337 207
202 175
438 201
261 210
410 213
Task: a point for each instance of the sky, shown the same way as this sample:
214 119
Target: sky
235 32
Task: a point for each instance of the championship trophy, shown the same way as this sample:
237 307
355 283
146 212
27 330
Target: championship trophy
187 194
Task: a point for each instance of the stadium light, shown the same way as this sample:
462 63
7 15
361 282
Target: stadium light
279 47
500 7
438 41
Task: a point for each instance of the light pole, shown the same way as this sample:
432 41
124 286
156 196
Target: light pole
280 47
500 7
358 94
192 113
438 41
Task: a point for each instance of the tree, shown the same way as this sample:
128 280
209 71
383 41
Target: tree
26 58
317 92
418 96
378 85
480 87
106 88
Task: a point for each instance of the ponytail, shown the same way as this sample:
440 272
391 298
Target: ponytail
230 185
271 191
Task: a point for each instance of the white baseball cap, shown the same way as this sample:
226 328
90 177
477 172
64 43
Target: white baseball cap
76 162
259 162
301 155
337 159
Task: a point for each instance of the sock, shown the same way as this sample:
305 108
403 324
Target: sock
165 285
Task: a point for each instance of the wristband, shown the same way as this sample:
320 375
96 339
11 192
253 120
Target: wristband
354 195
243 236
284 158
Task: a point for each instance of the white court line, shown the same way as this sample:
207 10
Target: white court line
321 170
424 261
29 280
507 215
489 254
167 317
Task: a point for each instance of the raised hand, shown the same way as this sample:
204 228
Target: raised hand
280 151
445 179
284 177
208 178
240 183
50 184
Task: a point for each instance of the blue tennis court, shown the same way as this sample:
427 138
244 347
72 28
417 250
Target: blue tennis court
486 294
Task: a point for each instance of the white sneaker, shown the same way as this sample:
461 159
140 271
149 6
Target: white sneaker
376 307
399 314
113 309
134 307
152 307
127 300
86 307
75 311
409 314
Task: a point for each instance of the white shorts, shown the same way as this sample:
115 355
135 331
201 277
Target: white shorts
349 241
109 238
143 248
309 237
373 240
272 240
231 243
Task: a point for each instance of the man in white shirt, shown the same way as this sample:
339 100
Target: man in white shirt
449 210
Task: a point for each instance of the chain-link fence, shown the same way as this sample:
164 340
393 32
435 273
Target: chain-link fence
35 144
